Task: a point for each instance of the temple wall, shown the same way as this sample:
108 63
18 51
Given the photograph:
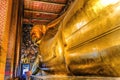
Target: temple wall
10 60
8 31
5 16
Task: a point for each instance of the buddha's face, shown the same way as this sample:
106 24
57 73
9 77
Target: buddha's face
36 34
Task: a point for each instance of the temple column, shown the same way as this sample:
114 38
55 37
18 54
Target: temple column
5 17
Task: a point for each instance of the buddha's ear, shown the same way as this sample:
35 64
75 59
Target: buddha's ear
44 29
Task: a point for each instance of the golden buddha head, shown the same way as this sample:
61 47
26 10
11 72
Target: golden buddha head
37 32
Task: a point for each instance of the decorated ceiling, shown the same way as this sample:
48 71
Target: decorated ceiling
43 11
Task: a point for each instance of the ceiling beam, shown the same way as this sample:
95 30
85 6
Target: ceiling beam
32 23
38 19
32 11
41 11
49 2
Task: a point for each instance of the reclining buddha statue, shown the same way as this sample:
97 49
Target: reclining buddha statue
87 41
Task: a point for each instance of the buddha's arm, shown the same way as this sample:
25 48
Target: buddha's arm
35 68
